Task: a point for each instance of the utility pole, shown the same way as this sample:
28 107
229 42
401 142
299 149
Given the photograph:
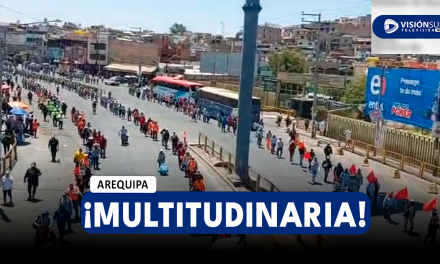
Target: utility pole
250 31
317 63
2 58
140 54
97 51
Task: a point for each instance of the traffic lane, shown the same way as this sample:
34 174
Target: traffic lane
379 228
284 176
17 221
140 157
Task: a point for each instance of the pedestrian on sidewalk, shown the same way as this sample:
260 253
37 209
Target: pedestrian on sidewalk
32 178
433 226
302 151
7 183
273 144
292 147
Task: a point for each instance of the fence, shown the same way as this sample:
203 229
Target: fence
258 184
393 159
8 161
397 143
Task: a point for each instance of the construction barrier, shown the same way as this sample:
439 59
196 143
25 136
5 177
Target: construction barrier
260 184
9 160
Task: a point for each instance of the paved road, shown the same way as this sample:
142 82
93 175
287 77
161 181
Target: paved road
288 177
137 159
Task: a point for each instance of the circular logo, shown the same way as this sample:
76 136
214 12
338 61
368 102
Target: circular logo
375 86
390 26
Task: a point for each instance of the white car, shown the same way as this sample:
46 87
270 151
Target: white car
113 81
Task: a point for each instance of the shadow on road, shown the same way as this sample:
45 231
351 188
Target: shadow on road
4 217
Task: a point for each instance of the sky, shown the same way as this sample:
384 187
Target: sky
196 15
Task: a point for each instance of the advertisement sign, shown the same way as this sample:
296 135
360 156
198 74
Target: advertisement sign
406 95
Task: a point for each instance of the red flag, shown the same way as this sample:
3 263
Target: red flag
307 155
402 194
371 177
352 170
431 205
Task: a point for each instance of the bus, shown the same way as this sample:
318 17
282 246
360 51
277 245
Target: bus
217 100
169 86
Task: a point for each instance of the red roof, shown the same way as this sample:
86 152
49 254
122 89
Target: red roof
171 80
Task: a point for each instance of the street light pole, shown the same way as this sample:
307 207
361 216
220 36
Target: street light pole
251 10
316 72
140 55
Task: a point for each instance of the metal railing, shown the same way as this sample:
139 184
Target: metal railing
423 170
8 160
259 184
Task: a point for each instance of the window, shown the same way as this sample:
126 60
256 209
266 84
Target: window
99 57
310 44
99 46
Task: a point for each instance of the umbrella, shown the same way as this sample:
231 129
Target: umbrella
18 111
19 105
130 77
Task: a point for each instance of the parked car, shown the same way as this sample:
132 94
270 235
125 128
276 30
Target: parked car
115 81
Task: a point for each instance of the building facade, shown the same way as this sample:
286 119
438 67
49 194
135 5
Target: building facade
132 52
98 50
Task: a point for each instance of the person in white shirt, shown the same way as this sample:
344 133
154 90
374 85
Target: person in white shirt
280 146
7 183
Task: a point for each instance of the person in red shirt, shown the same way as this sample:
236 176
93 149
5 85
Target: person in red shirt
103 146
97 137
142 121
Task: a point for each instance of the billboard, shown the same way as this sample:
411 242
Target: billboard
223 63
406 95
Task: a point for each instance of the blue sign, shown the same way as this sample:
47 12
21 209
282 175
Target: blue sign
407 27
226 213
55 53
406 95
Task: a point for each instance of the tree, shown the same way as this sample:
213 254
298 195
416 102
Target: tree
287 61
178 29
355 91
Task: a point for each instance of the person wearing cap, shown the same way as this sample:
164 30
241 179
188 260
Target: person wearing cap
408 215
53 146
161 158
32 178
7 183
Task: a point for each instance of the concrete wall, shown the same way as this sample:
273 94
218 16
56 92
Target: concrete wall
120 51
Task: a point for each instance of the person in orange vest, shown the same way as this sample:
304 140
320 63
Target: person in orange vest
149 127
268 138
192 167
74 194
86 161
198 183
155 131
35 126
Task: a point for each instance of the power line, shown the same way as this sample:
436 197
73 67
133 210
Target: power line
18 12
314 11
